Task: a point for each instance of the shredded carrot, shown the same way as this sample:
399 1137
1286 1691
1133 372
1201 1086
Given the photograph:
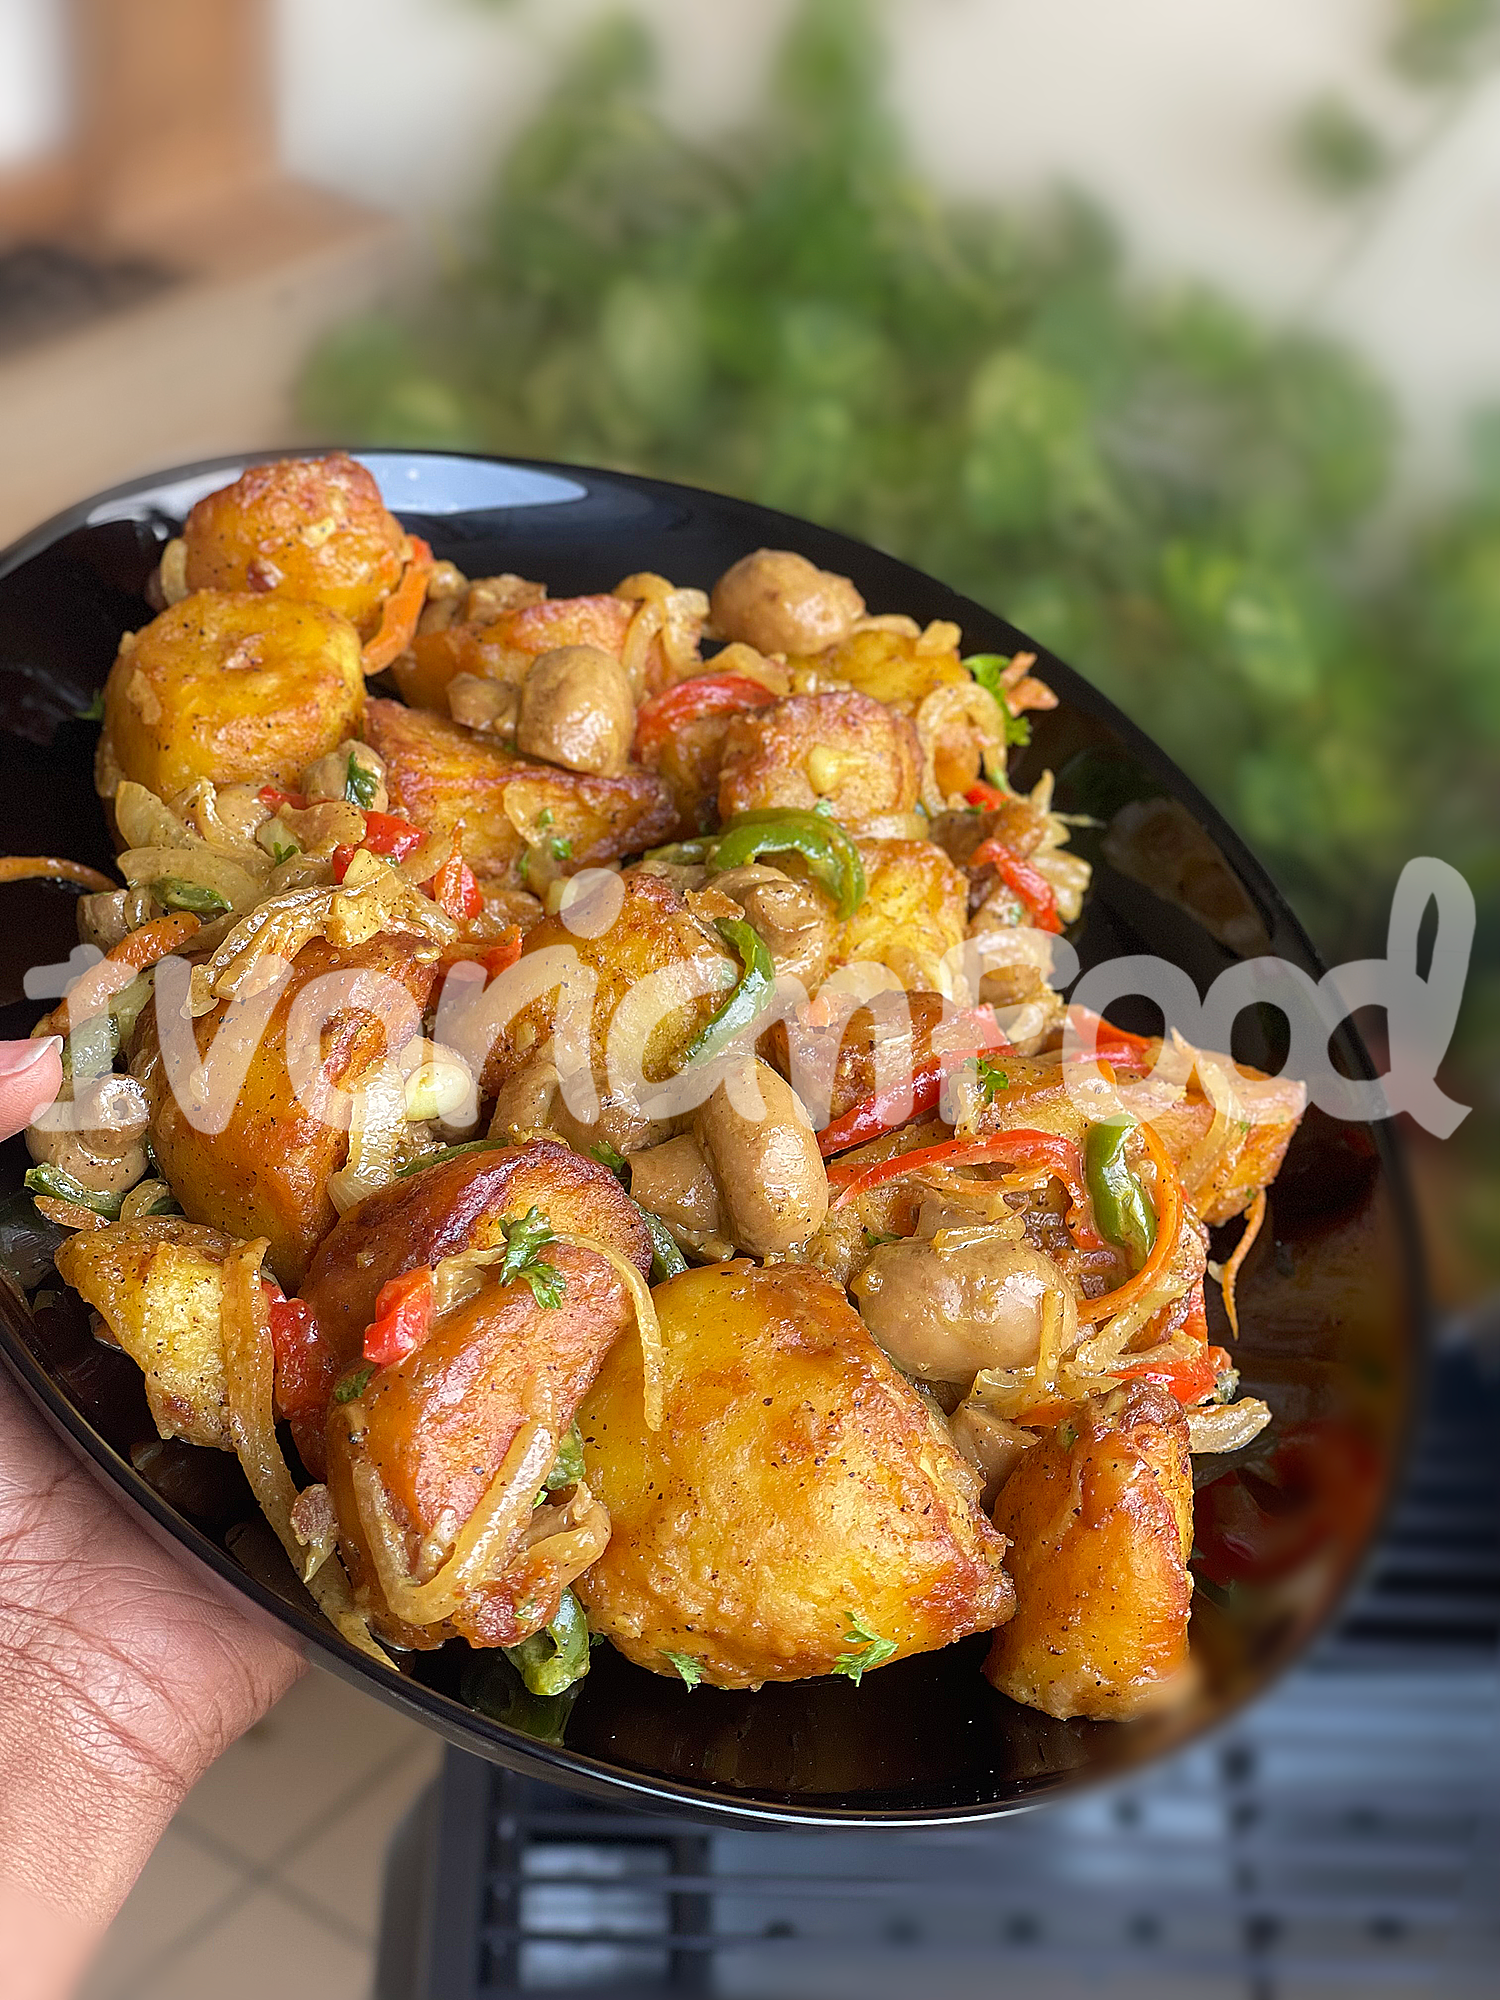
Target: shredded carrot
49 867
401 610
117 968
1168 1226
1237 1258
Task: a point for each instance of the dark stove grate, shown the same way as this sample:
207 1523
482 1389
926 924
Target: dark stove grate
1343 1836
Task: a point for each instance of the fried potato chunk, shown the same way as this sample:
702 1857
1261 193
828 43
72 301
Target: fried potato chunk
236 688
430 1432
500 645
266 1172
157 1284
648 979
916 908
314 529
796 1495
441 776
1100 1518
860 757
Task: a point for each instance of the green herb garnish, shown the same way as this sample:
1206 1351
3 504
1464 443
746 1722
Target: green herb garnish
875 1237
353 1382
175 892
446 1153
990 1078
690 1669
560 848
525 1237
280 853
870 1650
360 783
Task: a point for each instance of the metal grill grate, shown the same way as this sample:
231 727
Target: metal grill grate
1341 1837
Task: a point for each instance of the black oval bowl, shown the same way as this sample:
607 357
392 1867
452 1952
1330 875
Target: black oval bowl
1330 1298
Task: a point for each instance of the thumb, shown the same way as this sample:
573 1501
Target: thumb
30 1078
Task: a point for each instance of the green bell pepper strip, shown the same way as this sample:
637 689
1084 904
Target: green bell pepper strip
1122 1207
50 1180
820 840
567 1467
750 998
667 1261
551 1660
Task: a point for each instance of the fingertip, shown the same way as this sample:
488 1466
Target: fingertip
30 1078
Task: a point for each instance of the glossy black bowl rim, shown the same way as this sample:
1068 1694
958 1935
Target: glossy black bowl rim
459 1725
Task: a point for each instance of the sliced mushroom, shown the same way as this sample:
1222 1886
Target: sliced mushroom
779 602
577 711
95 1133
795 919
969 1298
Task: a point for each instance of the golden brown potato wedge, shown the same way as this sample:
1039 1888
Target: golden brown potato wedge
916 908
502 647
158 1286
237 688
796 1494
441 776
1100 1519
863 759
266 1173
314 529
655 937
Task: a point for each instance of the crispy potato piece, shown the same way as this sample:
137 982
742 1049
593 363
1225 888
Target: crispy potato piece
435 1429
236 688
440 775
655 937
314 529
796 1484
902 669
158 1286
502 648
266 1174
456 1205
863 759
1100 1517
916 908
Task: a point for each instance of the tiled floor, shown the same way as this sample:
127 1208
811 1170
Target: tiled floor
268 1881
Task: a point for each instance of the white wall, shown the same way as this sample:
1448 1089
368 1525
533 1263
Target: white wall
1173 111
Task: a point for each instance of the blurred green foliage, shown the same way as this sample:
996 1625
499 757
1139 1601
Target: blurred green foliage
1189 507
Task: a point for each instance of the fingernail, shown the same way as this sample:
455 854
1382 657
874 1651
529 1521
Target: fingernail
18 1057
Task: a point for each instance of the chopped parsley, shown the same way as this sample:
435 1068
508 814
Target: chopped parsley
560 848
690 1669
280 852
567 1467
988 669
353 1383
869 1650
990 1077
360 783
875 1237
525 1237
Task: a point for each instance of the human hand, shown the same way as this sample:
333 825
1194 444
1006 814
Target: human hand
122 1676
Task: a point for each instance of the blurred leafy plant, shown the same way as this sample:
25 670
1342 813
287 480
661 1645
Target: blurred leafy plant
1338 151
1185 504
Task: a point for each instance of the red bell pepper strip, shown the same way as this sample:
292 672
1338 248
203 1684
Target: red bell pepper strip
885 1109
1187 1377
403 1317
1034 890
1020 1148
704 694
296 1344
453 888
1115 1045
987 798
401 610
275 798
386 834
